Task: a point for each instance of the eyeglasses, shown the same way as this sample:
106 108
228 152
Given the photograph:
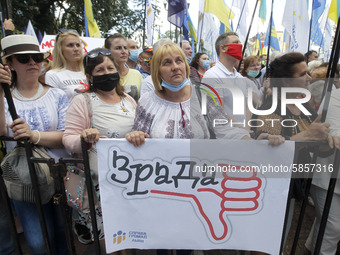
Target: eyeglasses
95 53
25 58
255 65
64 31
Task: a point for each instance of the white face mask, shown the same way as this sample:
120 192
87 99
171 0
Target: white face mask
206 64
175 88
253 73
133 55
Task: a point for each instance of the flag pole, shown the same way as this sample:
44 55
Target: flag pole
246 41
5 86
333 62
144 21
232 4
270 33
238 23
310 29
201 28
86 25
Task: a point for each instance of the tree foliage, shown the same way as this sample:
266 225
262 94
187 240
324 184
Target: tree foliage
50 15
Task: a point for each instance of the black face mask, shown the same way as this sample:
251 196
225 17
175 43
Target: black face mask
106 82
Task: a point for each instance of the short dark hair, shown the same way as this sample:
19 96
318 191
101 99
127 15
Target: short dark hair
223 39
109 39
91 63
282 67
309 53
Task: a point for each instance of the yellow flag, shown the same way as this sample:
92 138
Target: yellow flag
220 10
91 24
334 10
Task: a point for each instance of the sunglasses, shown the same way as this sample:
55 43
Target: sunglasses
95 53
25 58
64 31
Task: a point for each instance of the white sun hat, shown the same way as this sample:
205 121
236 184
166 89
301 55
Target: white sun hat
20 44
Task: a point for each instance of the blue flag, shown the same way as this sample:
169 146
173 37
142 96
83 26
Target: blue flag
176 12
318 9
274 41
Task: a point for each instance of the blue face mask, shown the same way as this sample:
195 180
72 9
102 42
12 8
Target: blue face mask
253 73
206 64
175 88
189 60
133 55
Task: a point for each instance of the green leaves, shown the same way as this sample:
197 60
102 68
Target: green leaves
50 15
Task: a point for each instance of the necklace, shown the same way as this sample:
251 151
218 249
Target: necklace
39 93
122 106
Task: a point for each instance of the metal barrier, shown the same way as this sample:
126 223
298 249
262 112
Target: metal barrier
58 171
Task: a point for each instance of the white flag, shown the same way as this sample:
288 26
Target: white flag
200 20
210 33
327 40
30 30
242 28
295 20
150 18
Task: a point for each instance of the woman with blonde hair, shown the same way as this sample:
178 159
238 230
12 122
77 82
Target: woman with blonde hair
67 71
173 109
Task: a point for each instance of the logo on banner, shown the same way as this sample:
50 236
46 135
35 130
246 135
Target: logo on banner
213 197
119 237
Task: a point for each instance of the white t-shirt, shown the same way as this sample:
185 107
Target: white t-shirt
66 80
323 174
147 85
219 74
112 120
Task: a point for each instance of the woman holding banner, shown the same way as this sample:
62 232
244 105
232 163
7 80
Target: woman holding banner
104 110
67 71
173 110
42 111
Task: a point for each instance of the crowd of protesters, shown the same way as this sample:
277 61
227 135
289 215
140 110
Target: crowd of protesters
150 93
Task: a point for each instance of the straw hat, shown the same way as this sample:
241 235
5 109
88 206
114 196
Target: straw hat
20 44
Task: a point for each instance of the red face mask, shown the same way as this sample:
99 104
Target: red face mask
234 50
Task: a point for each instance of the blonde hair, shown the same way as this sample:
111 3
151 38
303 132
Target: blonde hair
166 49
59 61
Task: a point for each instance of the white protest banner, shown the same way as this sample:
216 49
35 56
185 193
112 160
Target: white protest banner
89 43
186 194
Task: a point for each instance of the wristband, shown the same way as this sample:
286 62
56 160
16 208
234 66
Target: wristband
38 137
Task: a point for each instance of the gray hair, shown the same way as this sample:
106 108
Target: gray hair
161 42
222 39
